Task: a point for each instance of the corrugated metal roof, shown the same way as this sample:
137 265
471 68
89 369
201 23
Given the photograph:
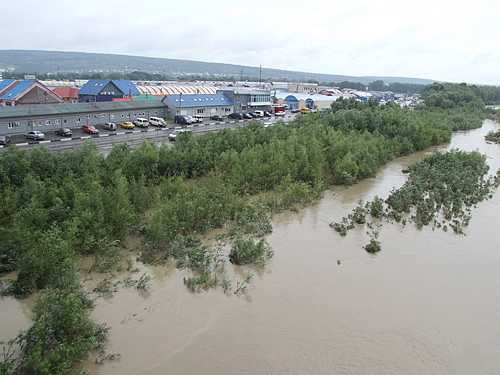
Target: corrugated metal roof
6 83
17 90
176 89
204 100
247 91
66 92
95 86
69 108
126 86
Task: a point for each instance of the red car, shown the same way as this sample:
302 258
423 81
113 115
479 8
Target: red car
89 129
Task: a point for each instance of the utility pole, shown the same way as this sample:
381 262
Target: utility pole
180 103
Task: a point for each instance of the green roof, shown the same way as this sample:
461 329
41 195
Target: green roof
76 108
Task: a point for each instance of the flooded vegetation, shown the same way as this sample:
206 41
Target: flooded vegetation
493 137
404 308
441 191
175 288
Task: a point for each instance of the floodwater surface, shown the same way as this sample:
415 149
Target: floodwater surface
428 303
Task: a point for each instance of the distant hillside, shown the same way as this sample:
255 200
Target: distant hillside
78 62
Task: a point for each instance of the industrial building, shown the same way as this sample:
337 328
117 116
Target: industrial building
199 105
299 101
107 90
26 92
47 117
248 99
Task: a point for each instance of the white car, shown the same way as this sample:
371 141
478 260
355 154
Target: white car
157 121
141 122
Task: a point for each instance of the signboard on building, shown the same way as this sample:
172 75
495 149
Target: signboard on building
29 76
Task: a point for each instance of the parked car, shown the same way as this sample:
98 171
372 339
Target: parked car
111 126
127 125
216 118
295 110
183 120
141 122
89 129
267 114
247 116
258 113
172 137
197 119
64 132
305 110
236 116
35 135
4 140
279 113
156 121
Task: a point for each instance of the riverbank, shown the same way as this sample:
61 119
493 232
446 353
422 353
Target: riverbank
236 269
427 303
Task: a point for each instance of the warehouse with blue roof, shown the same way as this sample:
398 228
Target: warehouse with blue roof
24 92
107 90
199 105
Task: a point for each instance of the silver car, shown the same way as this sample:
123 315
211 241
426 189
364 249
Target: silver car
111 126
35 135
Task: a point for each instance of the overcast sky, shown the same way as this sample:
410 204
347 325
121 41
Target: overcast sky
452 40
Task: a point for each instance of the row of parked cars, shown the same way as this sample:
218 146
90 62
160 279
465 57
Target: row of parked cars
192 120
37 135
249 115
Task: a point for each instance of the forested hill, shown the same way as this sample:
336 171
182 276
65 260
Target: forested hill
53 62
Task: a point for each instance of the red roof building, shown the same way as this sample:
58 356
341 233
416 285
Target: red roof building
68 94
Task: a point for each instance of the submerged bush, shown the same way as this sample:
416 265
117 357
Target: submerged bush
249 251
493 137
440 191
373 246
62 333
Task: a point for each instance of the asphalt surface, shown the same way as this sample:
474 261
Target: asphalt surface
105 140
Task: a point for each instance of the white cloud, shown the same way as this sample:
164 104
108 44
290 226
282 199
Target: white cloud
440 39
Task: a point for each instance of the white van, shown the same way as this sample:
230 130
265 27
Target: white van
141 123
156 121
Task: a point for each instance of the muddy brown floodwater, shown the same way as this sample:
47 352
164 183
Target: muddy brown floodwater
429 303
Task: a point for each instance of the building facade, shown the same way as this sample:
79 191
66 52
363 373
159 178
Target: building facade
22 119
300 101
249 99
199 105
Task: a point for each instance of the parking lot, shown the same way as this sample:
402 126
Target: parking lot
133 137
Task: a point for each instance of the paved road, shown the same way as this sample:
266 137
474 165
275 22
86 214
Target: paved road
134 138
